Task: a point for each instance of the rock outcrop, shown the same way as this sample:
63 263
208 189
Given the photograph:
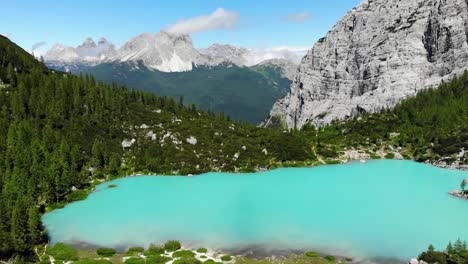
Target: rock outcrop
380 53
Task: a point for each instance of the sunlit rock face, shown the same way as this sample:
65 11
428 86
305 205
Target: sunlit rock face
380 53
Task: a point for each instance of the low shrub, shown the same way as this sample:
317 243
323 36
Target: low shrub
77 195
203 256
134 251
312 254
187 261
330 258
327 153
390 156
226 258
183 254
172 245
202 250
349 259
92 261
433 257
135 261
106 252
45 259
61 251
210 261
58 262
157 259
154 251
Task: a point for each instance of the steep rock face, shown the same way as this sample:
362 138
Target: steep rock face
223 52
163 51
380 53
288 68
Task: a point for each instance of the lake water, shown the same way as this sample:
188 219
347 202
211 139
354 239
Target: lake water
379 208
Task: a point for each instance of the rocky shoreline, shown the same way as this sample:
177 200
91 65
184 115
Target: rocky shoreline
450 166
459 194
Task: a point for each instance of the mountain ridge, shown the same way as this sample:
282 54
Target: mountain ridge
162 51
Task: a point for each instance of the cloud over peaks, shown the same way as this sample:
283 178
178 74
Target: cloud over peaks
219 19
37 45
297 17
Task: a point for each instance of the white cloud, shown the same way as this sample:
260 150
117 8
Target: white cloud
298 17
293 54
219 19
37 45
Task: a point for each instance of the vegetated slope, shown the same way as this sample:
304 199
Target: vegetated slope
59 133
240 92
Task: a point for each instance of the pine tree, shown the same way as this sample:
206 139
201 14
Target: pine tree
19 227
34 226
11 75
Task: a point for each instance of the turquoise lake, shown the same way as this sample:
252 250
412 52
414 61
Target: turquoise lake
379 208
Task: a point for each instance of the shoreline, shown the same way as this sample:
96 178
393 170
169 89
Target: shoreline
252 253
459 194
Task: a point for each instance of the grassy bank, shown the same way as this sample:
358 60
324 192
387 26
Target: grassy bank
171 252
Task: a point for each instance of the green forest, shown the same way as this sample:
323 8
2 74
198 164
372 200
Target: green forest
61 134
224 88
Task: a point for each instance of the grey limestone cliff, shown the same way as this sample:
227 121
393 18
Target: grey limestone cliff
380 53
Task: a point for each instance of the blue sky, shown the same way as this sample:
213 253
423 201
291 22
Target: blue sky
252 24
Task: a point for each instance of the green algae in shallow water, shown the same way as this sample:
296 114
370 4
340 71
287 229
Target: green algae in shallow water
360 209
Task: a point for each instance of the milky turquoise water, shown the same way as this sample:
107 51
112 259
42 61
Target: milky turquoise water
378 208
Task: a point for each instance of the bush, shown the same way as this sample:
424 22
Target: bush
77 195
203 256
327 153
210 261
157 259
92 261
312 254
226 258
154 251
58 262
433 257
62 251
330 258
390 156
134 251
45 259
187 261
348 259
106 252
202 250
172 245
135 261
183 254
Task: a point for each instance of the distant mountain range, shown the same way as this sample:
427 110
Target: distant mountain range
164 52
243 83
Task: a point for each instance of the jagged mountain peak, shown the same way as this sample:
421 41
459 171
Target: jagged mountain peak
162 51
89 42
103 41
